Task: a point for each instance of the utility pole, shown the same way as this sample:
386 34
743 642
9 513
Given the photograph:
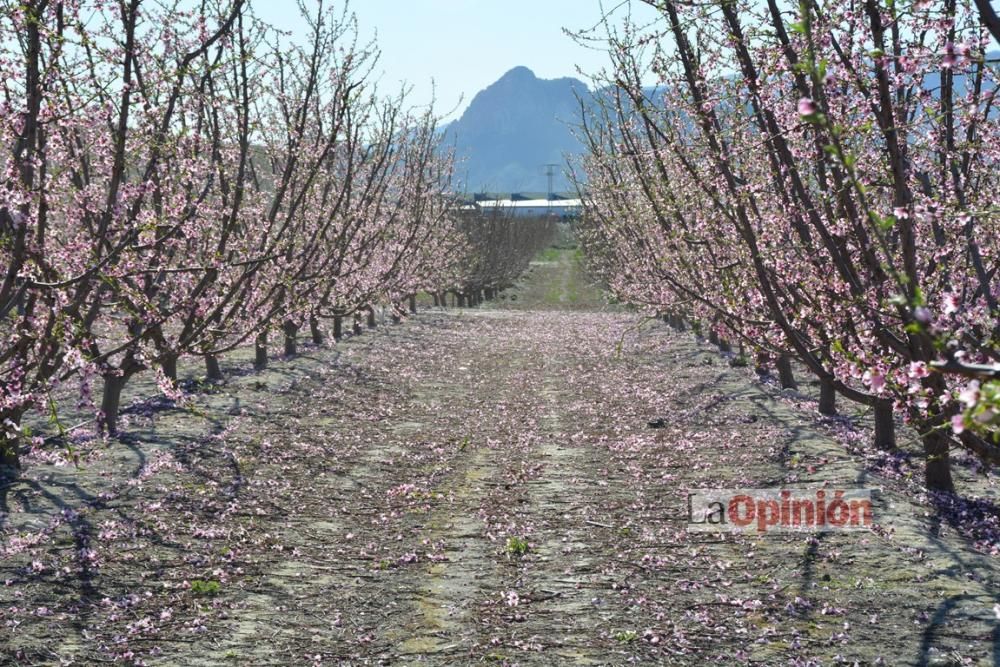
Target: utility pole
550 170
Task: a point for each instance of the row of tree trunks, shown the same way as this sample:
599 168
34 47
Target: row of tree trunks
114 382
935 445
460 299
213 369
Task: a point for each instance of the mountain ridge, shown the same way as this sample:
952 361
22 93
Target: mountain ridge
512 129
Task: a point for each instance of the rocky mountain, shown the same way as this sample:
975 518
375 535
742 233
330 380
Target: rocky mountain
512 129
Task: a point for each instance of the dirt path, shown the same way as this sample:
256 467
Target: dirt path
480 486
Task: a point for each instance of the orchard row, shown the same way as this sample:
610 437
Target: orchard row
180 183
820 183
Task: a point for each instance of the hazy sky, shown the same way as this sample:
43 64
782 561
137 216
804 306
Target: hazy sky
465 45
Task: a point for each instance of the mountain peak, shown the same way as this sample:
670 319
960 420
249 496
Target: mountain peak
512 129
519 74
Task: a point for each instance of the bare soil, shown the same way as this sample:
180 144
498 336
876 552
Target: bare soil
483 486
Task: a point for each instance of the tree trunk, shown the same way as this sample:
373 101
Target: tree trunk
413 304
291 338
111 403
371 318
785 376
9 444
357 324
338 327
168 362
827 398
761 361
460 297
212 368
260 351
938 470
437 300
397 313
885 427
314 330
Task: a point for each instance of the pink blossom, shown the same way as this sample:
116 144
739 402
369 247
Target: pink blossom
957 426
922 315
875 380
950 303
950 58
970 395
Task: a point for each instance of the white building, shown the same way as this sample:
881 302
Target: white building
558 208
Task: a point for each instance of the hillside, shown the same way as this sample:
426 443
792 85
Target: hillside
512 129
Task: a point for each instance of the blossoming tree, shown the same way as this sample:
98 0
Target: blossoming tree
819 181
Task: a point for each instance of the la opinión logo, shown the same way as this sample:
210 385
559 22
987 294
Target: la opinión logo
779 510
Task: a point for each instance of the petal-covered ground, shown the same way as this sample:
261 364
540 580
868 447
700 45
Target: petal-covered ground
484 485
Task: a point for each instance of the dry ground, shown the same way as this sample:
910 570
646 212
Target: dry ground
481 486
